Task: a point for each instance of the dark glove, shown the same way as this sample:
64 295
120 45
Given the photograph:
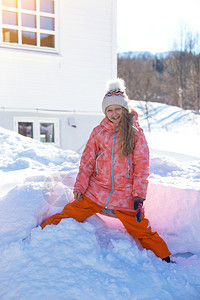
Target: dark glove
138 204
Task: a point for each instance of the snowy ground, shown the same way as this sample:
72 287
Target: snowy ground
97 259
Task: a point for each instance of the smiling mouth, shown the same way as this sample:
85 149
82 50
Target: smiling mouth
116 120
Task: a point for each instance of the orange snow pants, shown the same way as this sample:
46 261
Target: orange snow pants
142 231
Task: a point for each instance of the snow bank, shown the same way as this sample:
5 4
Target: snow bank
28 183
166 118
89 261
173 199
175 214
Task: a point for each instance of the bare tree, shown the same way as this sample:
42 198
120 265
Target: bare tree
183 71
174 79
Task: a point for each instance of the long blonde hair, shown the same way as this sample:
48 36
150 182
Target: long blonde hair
127 133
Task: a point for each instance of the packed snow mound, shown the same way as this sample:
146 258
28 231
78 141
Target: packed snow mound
19 152
36 180
86 261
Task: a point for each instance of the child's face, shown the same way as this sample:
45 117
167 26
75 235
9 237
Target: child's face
114 113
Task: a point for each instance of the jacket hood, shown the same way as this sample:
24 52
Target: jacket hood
135 115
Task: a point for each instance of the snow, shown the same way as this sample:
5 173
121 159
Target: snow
97 259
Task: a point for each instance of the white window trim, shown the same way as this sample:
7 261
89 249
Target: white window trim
36 128
38 30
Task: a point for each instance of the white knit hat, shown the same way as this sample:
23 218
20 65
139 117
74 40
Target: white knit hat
115 94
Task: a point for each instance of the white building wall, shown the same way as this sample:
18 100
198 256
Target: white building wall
75 77
73 138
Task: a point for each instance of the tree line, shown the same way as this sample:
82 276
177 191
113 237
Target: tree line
173 78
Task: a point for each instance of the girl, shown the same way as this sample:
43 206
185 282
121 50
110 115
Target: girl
113 173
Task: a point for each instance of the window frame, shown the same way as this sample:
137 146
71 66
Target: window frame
36 30
36 127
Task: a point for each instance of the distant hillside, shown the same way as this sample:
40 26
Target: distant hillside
143 54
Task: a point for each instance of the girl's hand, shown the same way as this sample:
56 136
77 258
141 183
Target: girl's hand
78 196
138 203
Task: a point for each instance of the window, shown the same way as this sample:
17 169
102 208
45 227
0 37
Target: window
29 24
44 130
26 129
47 132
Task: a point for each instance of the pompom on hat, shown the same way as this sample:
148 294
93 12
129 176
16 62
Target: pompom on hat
115 94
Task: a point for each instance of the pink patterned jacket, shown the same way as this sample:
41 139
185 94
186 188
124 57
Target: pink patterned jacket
107 179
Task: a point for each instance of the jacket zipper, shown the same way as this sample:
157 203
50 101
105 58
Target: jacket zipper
129 166
112 167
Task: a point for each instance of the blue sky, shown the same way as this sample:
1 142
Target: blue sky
154 25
